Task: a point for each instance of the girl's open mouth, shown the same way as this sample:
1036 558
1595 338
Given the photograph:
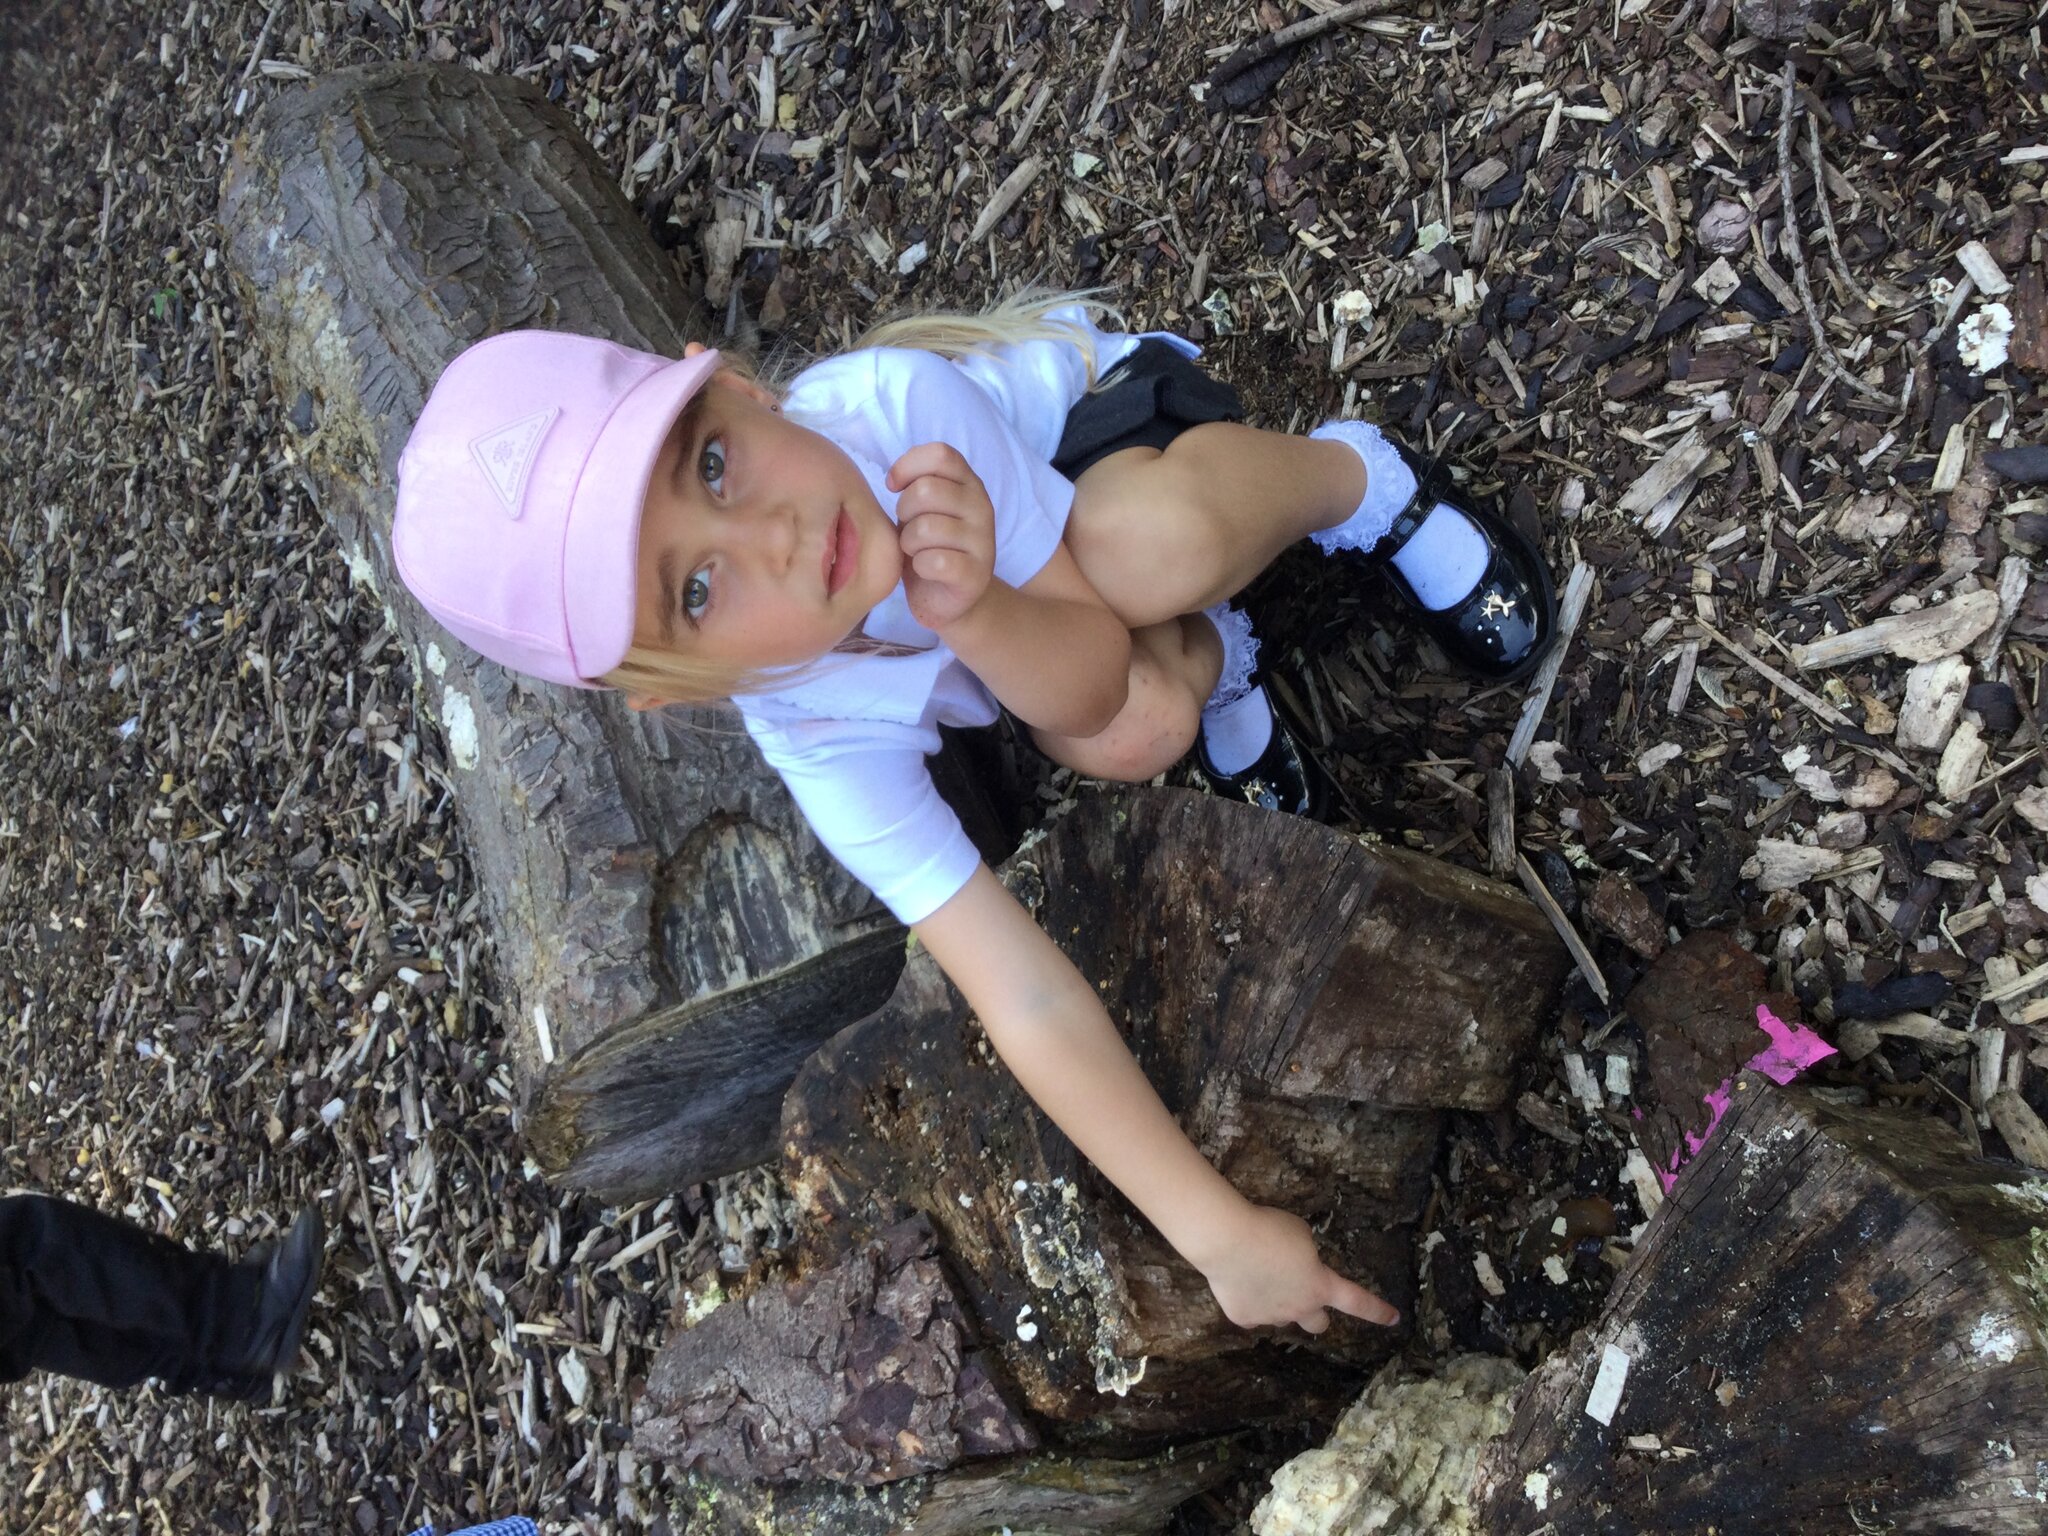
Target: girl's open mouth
842 552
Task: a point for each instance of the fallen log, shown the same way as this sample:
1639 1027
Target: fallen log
1307 1004
1836 1322
639 874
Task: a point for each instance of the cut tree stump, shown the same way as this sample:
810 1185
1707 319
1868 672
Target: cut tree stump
1835 1323
641 874
1307 1004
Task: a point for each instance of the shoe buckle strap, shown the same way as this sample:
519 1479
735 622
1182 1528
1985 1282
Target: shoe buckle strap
1409 520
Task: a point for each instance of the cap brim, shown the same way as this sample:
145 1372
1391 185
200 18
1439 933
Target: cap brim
602 538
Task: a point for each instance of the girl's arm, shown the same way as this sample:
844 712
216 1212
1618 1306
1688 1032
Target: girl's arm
1051 650
1054 1035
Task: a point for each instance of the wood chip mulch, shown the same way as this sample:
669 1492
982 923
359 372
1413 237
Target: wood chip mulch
1753 343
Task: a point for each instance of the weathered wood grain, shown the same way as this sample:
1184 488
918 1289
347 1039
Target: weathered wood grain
1308 1005
1052 1494
1835 1323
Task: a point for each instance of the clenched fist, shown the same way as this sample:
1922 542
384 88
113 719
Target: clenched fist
947 531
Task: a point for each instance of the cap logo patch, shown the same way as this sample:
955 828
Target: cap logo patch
506 455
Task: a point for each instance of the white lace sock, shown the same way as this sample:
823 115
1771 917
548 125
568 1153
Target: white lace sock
1445 557
1237 722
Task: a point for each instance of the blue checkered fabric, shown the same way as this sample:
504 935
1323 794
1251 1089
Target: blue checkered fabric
518 1525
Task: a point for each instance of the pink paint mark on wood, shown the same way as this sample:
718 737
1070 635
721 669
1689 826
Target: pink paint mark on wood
1792 1050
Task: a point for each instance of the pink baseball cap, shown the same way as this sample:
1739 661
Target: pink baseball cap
519 496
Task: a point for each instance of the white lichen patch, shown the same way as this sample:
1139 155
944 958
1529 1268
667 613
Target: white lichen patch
360 571
1984 339
700 1304
1995 1338
1351 306
2033 1194
1536 1489
2031 1277
1401 1460
458 721
437 660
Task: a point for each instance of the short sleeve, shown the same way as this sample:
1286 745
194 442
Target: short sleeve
1035 383
866 791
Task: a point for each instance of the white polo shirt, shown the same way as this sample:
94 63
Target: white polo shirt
850 738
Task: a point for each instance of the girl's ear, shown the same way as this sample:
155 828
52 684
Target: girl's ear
640 703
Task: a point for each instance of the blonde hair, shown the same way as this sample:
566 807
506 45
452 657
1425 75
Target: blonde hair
1025 315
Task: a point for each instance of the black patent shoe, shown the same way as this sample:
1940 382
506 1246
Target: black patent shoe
1501 630
1283 778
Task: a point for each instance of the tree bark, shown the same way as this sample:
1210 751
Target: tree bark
1306 1004
862 1374
1835 1323
378 222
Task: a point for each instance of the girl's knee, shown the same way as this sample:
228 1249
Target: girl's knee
1154 731
1142 753
1135 503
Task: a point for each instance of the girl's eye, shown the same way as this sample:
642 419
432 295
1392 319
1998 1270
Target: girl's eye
711 463
697 595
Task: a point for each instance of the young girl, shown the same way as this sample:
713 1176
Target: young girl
943 520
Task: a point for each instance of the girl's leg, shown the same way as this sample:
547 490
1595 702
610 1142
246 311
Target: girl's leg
1165 532
1174 666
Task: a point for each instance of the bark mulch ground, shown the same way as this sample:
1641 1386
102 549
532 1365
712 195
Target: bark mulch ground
1750 337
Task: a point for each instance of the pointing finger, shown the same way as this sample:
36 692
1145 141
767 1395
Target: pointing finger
1358 1302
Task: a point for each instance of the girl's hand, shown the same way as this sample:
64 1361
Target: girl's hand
946 529
1269 1273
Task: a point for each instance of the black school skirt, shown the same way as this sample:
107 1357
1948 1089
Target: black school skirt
1145 401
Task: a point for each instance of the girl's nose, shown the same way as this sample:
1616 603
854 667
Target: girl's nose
770 534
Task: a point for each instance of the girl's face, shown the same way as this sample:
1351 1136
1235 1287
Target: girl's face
761 545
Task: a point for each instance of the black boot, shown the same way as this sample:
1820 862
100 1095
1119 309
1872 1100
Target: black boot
89 1295
269 1343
